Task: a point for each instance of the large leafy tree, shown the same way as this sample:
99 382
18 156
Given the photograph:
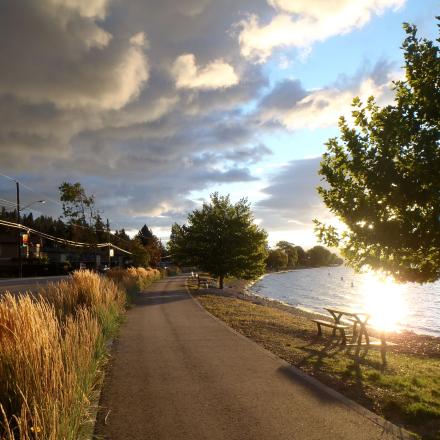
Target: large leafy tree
383 174
291 252
222 239
277 259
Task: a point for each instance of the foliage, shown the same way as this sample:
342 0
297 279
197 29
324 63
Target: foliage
140 256
179 246
319 256
302 256
222 239
383 174
290 251
151 244
78 207
277 259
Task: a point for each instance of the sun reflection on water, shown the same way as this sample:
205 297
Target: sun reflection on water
384 300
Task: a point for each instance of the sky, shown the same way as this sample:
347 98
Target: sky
154 105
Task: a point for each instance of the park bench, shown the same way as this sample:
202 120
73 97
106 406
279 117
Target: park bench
206 282
340 327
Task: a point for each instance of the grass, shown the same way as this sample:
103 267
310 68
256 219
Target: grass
406 391
134 279
53 347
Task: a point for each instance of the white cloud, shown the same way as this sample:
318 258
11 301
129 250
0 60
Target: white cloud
86 8
139 39
301 23
215 75
322 108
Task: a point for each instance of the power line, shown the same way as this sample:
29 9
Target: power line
7 177
49 199
58 239
53 201
8 202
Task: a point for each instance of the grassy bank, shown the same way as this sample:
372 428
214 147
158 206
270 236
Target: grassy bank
406 391
52 351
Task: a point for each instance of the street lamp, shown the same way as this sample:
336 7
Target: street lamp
20 262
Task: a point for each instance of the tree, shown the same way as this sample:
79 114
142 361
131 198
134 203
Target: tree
319 256
78 207
140 256
290 251
145 235
151 243
179 246
302 256
222 239
277 259
383 174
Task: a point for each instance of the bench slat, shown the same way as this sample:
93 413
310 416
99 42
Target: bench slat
330 324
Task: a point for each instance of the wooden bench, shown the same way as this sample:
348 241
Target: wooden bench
206 282
320 323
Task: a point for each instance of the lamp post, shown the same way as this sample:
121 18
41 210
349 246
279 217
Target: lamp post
20 262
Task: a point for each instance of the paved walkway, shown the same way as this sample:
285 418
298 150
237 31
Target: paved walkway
179 374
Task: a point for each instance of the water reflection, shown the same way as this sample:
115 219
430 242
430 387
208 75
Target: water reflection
384 300
393 306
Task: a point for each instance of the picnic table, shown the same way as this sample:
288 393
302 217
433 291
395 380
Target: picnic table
359 321
358 318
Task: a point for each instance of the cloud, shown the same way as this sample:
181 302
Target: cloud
292 202
58 53
215 75
96 91
300 23
294 108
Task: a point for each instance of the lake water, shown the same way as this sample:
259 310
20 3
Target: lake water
392 306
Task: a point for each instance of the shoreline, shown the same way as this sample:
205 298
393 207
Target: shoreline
401 329
408 342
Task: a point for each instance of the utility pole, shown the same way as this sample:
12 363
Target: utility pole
20 262
109 247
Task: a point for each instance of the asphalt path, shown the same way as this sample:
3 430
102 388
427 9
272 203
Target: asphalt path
17 285
179 373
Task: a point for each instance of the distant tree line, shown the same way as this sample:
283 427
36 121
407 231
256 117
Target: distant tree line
286 256
82 222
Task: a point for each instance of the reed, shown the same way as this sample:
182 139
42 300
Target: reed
134 279
52 348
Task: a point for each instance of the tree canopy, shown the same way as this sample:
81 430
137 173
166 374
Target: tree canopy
222 239
383 174
291 252
277 259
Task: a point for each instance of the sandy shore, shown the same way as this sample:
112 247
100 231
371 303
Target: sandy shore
407 342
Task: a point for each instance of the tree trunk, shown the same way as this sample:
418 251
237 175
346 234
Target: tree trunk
220 281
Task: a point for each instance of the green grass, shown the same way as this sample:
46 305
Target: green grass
406 391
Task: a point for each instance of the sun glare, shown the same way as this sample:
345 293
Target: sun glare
384 300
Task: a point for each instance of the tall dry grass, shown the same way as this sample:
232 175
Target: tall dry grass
51 349
134 279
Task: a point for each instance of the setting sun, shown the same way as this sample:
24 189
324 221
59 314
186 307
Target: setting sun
384 300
